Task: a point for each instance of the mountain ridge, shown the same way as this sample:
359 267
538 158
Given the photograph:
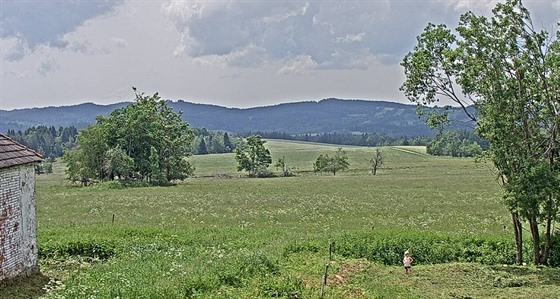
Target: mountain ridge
306 117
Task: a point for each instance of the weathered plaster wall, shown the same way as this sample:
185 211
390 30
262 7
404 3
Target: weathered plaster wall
18 242
28 219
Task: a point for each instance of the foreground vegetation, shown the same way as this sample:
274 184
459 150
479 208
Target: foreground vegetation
222 235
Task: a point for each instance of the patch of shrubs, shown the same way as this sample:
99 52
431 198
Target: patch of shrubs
387 248
554 256
98 249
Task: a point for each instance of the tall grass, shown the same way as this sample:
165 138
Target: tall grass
223 235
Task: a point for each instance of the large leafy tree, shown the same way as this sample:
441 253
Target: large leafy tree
85 162
510 72
117 164
145 140
254 157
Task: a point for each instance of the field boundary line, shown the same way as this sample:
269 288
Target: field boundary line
410 152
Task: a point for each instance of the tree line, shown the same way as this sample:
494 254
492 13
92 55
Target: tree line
363 139
456 144
47 141
210 142
463 143
52 143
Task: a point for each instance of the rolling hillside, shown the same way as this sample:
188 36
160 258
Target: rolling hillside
325 116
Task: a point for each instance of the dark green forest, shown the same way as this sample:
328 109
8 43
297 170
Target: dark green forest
48 141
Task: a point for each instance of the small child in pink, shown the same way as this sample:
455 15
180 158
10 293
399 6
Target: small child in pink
407 261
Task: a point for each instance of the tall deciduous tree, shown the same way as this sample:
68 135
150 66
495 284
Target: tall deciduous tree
85 162
146 140
511 73
254 157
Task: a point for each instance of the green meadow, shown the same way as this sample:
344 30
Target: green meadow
223 235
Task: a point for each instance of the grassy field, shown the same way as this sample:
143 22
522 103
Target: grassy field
222 235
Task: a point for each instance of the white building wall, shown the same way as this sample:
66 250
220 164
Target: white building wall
28 220
18 242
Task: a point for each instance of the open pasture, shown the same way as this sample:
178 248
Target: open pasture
222 235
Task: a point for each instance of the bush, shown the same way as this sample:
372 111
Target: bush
263 173
87 248
554 256
387 248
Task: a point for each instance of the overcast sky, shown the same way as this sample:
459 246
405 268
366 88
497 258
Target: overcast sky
228 53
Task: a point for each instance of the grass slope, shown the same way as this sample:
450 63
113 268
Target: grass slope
222 235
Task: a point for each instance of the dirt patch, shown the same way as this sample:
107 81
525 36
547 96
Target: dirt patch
346 270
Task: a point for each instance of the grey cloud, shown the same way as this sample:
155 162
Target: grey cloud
82 46
333 34
16 52
37 23
47 66
303 64
119 42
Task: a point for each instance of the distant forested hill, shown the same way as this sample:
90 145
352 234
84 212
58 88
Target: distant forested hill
325 116
79 116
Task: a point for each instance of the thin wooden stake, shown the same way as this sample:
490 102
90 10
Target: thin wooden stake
324 282
327 265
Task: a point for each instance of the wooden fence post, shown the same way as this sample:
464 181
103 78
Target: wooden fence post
326 273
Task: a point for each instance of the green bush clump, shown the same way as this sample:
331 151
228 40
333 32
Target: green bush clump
554 256
100 249
387 248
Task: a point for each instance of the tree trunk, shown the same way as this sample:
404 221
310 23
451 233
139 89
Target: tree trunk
547 241
517 230
536 239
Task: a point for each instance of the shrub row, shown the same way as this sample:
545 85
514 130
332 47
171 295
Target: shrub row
100 249
382 247
387 248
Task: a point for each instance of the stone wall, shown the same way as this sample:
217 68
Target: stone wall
18 235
